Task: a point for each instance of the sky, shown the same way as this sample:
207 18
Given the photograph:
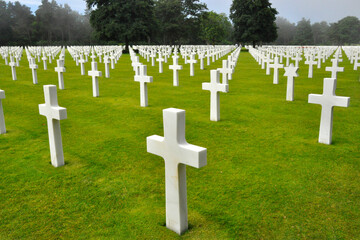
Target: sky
293 10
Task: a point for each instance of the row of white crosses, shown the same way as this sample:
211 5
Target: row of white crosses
327 100
353 54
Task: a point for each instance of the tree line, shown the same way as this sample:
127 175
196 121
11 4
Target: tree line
52 24
344 32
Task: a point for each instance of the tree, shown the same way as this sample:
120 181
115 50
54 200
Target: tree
304 34
345 31
122 20
320 33
21 21
285 31
5 24
216 28
254 21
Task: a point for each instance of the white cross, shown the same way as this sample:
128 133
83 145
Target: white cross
327 101
60 69
107 66
54 114
192 61
93 56
44 58
290 73
276 66
215 87
310 62
208 55
95 74
2 119
319 57
225 71
135 63
160 60
334 68
297 59
175 67
82 64
201 57
177 153
287 56
12 64
143 79
268 61
33 67
112 58
153 56
356 61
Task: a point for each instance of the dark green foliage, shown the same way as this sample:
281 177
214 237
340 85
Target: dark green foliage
346 31
216 28
254 21
303 34
128 21
51 24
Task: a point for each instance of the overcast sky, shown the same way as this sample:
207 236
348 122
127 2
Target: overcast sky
293 10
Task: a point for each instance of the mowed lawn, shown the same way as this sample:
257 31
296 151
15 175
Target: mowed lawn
267 176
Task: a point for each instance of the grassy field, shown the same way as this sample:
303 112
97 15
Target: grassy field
267 176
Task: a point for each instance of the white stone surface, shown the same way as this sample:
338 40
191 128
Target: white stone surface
95 74
54 114
60 69
175 67
276 66
2 118
160 60
143 79
107 66
290 73
82 62
215 87
12 64
334 69
192 61
328 100
177 153
311 62
33 68
225 71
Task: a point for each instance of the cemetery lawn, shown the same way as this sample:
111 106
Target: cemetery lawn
267 176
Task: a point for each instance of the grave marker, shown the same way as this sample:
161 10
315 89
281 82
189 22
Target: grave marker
143 79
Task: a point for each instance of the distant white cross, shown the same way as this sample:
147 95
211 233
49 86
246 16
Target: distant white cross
107 66
160 60
143 79
177 153
2 119
290 73
54 114
268 61
60 69
328 100
192 61
297 59
334 69
356 61
310 62
175 67
153 56
95 74
44 58
276 66
226 71
82 62
215 87
12 64
33 67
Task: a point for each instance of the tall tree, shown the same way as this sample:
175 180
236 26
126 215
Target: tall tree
254 21
304 34
122 20
285 31
345 31
320 33
216 28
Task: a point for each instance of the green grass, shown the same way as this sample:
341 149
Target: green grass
266 178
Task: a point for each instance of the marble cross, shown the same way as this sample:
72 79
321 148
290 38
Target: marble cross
160 60
95 74
328 100
268 61
276 66
297 59
310 62
33 67
290 73
192 61
153 56
225 71
201 57
215 87
143 79
44 58
60 69
177 153
356 62
2 119
107 66
54 114
12 64
334 69
82 62
175 67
